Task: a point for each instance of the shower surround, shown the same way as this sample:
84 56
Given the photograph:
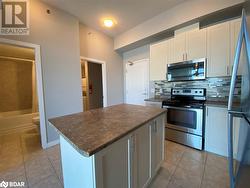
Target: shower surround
216 87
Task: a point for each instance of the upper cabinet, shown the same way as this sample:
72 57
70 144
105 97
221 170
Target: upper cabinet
217 43
218 48
160 55
180 47
196 44
235 29
190 45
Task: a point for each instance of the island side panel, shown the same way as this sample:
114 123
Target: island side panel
78 170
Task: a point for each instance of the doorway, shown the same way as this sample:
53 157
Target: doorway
137 81
93 84
22 113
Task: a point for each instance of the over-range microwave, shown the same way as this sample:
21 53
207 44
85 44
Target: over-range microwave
187 70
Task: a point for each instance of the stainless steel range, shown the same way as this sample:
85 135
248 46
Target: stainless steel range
185 116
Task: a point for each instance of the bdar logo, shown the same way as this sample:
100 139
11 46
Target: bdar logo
4 184
15 17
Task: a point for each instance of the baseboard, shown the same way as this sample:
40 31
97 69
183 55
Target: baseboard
52 143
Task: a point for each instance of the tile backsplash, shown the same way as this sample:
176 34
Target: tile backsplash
216 87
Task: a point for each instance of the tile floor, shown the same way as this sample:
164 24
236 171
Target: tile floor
189 168
22 159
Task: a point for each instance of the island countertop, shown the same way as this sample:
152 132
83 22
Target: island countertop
89 132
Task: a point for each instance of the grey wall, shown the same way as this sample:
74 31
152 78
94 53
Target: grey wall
136 54
58 35
94 44
15 85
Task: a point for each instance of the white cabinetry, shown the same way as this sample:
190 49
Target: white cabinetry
196 44
160 55
235 29
140 171
112 165
216 130
157 143
190 45
218 50
180 47
139 155
217 43
147 151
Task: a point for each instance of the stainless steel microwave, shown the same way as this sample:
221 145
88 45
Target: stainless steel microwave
187 70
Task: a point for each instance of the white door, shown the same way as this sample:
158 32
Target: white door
137 81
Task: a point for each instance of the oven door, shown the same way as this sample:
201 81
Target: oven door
185 119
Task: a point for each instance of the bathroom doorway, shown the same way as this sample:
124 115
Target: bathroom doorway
21 94
93 83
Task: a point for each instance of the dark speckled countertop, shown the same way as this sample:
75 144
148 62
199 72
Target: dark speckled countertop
219 102
89 132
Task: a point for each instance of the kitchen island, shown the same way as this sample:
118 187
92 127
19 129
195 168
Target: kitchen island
117 146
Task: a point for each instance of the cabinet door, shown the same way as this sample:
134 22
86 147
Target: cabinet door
196 44
218 48
235 29
179 47
216 139
111 165
160 55
140 175
157 143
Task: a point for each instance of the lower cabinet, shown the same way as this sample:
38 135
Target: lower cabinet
157 129
140 163
148 152
216 131
134 160
112 166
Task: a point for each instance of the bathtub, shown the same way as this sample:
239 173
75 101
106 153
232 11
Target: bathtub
16 121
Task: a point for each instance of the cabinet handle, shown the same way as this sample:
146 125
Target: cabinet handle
183 57
227 70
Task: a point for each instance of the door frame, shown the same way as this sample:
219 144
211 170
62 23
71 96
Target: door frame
104 77
125 73
40 86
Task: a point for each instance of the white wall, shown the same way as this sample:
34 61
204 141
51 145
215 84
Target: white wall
135 55
96 45
173 17
58 35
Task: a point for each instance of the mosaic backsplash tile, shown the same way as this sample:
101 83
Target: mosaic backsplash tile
216 87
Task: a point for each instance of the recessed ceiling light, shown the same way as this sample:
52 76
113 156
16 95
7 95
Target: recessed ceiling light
108 23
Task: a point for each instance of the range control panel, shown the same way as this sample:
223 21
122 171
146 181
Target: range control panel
188 92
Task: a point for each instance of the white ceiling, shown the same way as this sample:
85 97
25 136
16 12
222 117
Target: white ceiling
127 13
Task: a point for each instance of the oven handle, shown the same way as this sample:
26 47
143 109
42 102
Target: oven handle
182 108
